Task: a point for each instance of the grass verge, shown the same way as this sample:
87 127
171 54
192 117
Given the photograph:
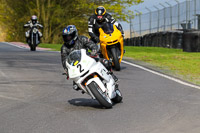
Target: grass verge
181 64
175 62
54 47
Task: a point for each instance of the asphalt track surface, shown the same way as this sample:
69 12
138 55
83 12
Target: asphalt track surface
36 98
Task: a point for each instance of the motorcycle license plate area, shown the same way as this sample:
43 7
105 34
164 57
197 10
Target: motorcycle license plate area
35 30
78 63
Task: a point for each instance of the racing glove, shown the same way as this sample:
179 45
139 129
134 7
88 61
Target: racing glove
96 39
66 73
94 52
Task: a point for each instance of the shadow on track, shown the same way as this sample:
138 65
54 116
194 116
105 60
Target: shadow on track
121 68
85 103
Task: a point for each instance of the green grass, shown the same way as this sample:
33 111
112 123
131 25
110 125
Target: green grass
54 47
181 64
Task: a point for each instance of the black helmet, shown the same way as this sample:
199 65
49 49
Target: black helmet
70 34
100 12
34 19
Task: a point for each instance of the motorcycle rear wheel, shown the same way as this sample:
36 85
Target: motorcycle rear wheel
101 97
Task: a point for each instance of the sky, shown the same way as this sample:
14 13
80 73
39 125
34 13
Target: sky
150 5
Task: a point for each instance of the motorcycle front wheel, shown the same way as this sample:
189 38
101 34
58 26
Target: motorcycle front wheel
115 59
101 97
33 46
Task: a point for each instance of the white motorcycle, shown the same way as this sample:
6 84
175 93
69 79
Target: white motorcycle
93 78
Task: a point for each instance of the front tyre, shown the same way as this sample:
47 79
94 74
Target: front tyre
118 98
99 95
33 46
115 59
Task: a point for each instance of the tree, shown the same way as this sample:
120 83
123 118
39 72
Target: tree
55 15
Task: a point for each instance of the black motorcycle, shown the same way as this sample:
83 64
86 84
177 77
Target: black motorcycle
34 38
33 35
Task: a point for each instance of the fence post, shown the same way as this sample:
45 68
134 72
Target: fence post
195 12
130 26
149 20
139 21
178 13
186 14
170 14
158 24
164 15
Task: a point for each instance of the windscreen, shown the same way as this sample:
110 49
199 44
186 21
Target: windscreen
108 28
74 57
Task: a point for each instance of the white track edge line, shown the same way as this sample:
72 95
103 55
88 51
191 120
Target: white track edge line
163 75
14 45
28 48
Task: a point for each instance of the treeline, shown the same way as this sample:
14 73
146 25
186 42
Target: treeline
54 15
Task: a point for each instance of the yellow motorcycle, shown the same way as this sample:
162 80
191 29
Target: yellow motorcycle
111 44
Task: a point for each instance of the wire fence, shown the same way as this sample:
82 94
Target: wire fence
184 15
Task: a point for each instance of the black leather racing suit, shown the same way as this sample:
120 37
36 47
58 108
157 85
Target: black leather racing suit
82 42
94 25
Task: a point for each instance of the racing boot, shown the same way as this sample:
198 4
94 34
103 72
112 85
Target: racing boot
110 69
75 86
108 65
113 75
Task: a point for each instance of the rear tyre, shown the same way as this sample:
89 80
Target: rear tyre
118 98
103 99
115 59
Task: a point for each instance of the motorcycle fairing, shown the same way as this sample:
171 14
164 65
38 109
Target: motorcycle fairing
107 40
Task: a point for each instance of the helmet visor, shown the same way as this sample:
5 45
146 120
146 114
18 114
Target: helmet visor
69 37
99 17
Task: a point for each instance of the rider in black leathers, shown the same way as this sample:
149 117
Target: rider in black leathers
74 42
97 20
30 24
